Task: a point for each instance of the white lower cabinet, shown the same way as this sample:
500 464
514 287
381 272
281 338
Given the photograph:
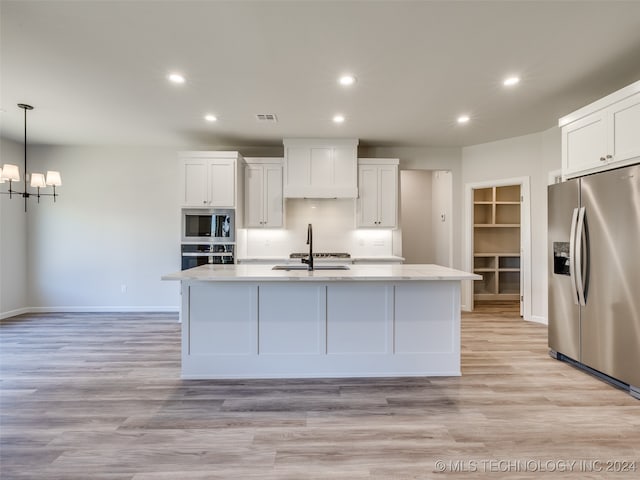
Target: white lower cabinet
603 135
377 204
295 329
263 193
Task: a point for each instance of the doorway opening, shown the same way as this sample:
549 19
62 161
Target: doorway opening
426 198
498 245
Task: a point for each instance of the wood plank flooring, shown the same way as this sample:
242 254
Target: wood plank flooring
98 396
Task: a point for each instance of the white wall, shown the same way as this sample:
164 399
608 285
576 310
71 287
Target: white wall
13 238
115 223
534 156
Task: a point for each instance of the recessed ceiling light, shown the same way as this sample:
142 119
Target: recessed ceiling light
176 78
511 81
347 80
210 118
463 118
338 118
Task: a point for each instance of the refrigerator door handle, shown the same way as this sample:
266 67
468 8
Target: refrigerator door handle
579 266
572 256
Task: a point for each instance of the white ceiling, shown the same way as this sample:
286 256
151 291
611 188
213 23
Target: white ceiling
95 71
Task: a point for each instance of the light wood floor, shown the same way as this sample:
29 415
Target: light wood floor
98 396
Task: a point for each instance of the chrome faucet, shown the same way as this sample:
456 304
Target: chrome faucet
309 261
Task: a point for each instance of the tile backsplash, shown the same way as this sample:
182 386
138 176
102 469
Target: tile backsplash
333 231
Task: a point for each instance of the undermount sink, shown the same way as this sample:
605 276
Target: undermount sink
315 267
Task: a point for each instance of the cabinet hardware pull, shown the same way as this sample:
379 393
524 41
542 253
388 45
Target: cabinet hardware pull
609 156
602 159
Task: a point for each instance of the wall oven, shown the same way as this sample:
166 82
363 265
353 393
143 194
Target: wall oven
194 255
208 225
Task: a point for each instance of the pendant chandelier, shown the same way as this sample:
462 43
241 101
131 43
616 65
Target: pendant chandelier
11 173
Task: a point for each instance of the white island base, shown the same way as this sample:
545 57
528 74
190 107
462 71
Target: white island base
321 327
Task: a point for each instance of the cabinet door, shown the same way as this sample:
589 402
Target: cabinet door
584 144
222 182
387 196
253 175
272 185
368 200
194 183
624 133
344 167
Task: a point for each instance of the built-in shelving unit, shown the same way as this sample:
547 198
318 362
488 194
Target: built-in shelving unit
496 240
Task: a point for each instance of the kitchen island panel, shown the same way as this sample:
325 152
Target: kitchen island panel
336 329
359 318
292 319
221 320
425 319
241 321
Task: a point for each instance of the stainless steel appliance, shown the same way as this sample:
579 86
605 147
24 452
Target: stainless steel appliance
194 255
323 255
208 225
594 274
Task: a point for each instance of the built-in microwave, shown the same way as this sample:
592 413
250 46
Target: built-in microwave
208 225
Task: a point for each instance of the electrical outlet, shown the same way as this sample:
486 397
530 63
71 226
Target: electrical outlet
123 288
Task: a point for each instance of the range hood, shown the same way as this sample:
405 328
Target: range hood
320 168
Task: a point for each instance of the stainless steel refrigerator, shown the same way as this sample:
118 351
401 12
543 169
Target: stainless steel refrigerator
594 274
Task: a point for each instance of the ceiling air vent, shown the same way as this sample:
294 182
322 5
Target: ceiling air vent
266 117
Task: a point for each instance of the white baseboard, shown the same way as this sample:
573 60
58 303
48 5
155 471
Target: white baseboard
13 313
91 309
538 319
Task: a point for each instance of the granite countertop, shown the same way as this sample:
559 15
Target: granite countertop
264 273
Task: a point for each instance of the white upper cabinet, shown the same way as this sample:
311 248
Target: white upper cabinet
584 142
377 204
624 128
194 182
320 168
263 193
602 135
209 179
222 182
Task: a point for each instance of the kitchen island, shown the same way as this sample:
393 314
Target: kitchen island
250 321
